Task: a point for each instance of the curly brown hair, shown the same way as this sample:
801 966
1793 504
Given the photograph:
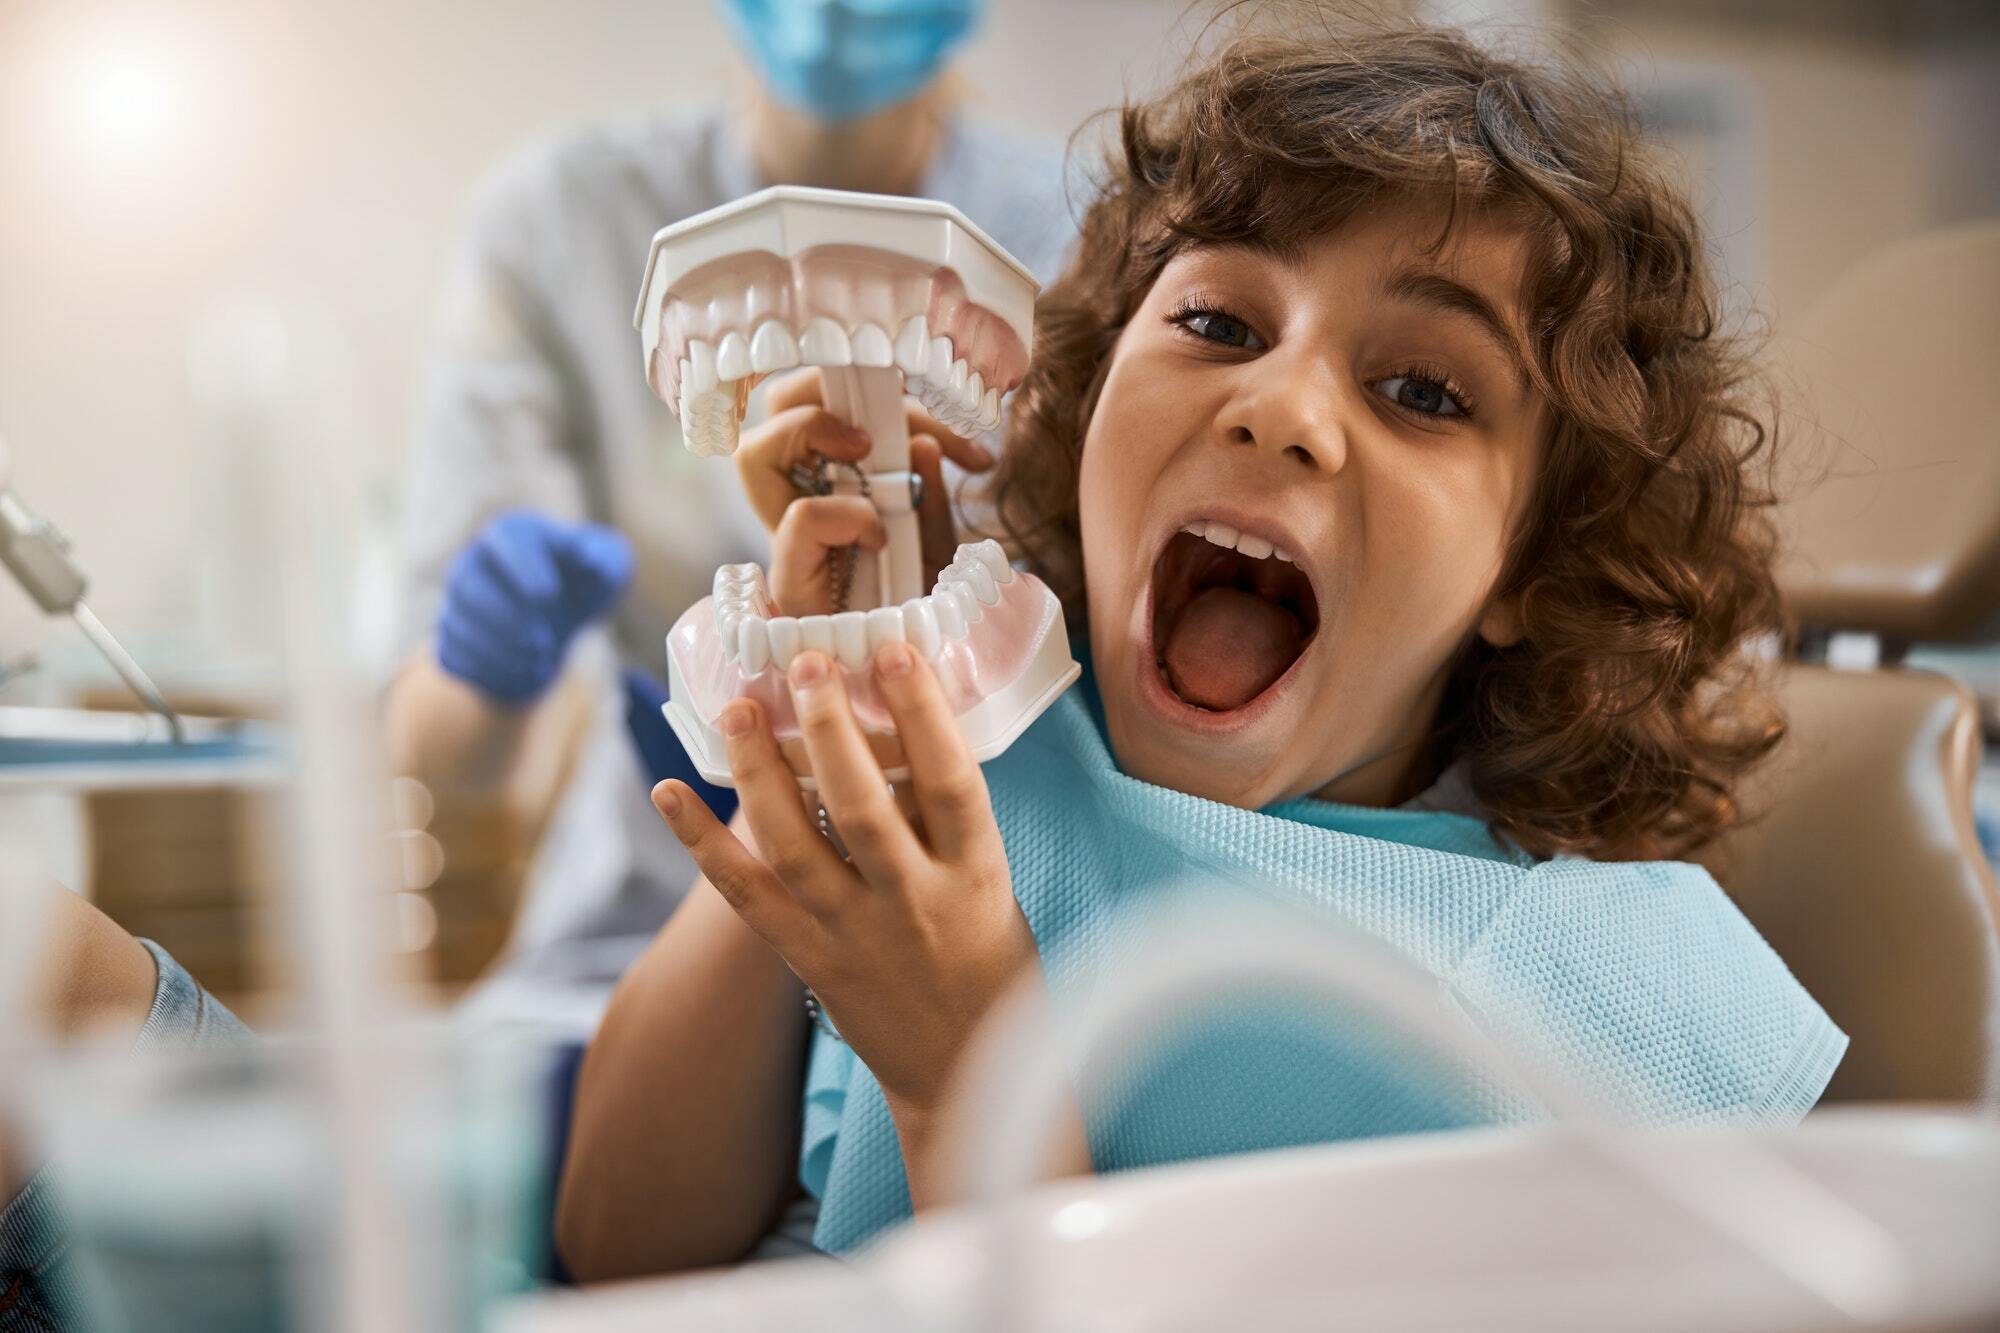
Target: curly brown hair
1618 725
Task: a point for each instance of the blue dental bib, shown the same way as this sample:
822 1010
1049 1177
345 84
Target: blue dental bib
1641 980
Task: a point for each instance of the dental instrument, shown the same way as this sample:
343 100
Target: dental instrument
41 559
886 295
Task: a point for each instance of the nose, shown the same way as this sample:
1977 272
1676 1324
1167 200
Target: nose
1294 406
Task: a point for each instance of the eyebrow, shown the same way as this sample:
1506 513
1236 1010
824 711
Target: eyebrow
1433 289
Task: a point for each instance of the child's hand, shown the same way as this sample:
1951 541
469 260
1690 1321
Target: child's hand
806 529
908 944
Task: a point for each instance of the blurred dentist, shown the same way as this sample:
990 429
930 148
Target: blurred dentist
554 522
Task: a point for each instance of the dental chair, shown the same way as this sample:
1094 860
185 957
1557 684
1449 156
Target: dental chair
1859 862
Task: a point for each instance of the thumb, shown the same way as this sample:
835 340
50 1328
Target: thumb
595 563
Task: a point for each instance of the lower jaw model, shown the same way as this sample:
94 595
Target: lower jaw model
886 295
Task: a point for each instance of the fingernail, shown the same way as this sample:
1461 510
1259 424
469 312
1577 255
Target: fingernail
893 660
735 720
667 800
808 670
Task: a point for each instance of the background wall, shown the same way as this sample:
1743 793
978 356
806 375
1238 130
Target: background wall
160 159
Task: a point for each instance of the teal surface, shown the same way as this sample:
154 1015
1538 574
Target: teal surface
16 752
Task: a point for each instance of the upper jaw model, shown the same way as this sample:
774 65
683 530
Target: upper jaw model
886 295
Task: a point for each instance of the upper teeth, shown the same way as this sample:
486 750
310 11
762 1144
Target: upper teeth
1221 534
949 388
755 639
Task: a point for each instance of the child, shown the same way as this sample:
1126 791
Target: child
91 982
1380 440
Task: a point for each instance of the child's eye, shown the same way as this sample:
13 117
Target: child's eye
1216 326
1424 393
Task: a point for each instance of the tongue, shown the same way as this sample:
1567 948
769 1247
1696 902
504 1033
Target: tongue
1227 646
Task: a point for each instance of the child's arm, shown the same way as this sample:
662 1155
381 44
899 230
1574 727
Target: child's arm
909 943
684 1142
90 980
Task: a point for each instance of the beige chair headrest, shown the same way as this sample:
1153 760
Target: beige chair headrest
1891 440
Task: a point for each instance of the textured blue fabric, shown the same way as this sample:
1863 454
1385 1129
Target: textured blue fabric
1642 981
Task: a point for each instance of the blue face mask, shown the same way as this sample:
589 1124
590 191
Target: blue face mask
841 59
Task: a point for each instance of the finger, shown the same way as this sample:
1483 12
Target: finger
745 883
801 565
496 666
519 561
950 790
807 387
785 440
940 536
800 388
499 612
594 563
788 839
968 453
851 785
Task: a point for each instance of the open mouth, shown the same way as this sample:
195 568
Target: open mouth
1231 614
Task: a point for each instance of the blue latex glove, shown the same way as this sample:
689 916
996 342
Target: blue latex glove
518 594
661 753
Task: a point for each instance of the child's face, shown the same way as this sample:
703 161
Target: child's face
1360 406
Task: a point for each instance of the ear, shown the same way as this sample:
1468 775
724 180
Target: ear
1501 624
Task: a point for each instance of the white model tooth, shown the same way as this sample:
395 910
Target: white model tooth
850 639
1254 547
725 627
708 423
980 579
784 641
816 633
773 347
1221 534
681 410
701 368
989 554
912 347
939 368
989 410
956 384
871 346
933 397
885 625
950 620
920 626
1282 554
975 389
961 592
824 343
754 645
683 372
732 357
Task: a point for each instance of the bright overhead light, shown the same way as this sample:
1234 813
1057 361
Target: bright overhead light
124 102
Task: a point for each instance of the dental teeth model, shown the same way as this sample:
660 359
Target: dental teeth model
886 295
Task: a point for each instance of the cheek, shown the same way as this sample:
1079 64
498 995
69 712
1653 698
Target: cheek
1444 542
1119 464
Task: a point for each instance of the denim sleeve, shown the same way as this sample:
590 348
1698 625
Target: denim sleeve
37 1291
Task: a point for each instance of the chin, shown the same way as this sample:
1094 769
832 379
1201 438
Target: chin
1217 728
1190 754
